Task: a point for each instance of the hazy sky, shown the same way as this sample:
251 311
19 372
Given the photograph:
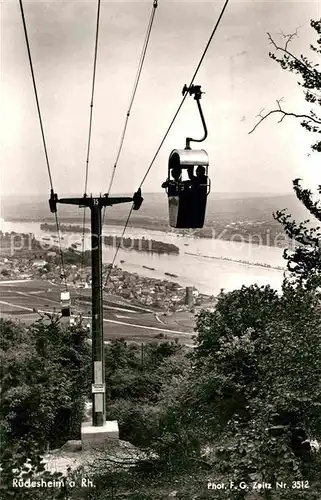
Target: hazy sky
237 75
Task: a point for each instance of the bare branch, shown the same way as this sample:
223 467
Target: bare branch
284 114
278 103
285 50
289 37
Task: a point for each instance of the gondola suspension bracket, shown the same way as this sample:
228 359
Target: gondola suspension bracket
196 91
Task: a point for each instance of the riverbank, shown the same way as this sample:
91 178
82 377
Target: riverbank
73 255
267 233
31 263
209 276
239 261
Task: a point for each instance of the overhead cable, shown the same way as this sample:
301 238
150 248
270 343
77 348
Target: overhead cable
169 128
136 82
92 96
185 95
43 137
90 126
138 74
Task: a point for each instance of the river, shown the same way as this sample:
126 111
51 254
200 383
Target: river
207 274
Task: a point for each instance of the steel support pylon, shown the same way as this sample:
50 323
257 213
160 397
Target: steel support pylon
98 358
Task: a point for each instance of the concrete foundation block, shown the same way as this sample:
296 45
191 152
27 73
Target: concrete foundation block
93 437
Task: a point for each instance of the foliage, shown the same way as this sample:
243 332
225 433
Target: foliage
12 334
138 423
304 262
231 410
260 375
143 383
311 78
134 372
235 312
301 289
140 379
72 256
311 81
233 416
44 381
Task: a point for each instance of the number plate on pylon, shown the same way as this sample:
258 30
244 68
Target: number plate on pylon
98 388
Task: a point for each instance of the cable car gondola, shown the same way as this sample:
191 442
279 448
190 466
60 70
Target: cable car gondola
187 185
65 304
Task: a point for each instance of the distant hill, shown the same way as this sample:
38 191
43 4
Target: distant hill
221 207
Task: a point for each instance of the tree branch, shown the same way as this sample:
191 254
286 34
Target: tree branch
285 49
289 37
284 114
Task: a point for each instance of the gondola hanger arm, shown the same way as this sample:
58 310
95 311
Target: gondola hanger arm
196 91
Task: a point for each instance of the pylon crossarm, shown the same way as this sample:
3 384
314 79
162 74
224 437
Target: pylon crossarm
114 201
99 201
75 201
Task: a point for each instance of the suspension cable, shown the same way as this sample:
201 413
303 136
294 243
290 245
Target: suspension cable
92 96
185 95
139 70
43 137
90 126
36 93
136 82
118 246
168 130
64 275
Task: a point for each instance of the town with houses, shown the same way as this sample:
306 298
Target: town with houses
164 295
